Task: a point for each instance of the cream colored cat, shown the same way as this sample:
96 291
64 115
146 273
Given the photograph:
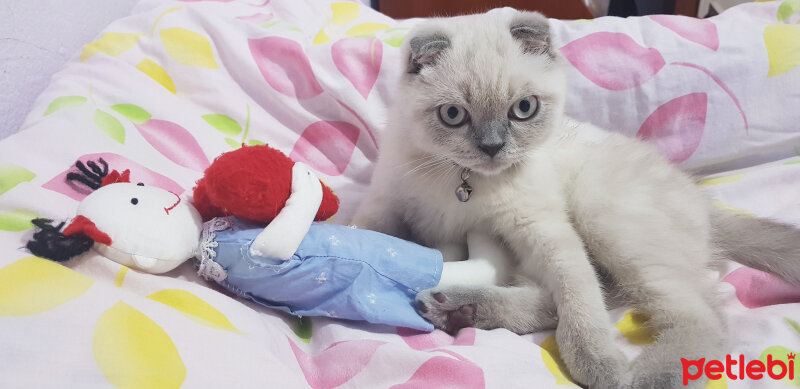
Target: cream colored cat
481 105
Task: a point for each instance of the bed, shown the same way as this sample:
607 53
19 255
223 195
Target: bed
165 90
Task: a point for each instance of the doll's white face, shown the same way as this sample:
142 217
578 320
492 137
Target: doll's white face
151 229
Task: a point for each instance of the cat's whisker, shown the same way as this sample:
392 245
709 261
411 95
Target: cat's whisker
442 178
422 166
421 159
427 165
435 169
439 169
426 160
429 168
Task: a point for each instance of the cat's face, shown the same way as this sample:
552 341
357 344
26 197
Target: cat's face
483 90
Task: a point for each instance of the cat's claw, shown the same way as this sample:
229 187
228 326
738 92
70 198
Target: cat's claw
445 313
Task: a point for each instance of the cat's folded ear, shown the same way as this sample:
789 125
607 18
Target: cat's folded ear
532 31
425 48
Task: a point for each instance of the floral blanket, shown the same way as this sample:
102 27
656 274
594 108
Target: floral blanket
165 90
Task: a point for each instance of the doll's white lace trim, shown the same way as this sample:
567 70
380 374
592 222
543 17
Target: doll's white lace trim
206 266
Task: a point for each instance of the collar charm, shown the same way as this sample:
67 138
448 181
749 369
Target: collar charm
464 190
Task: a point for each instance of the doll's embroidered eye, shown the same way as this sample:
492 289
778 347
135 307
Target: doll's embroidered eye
134 201
140 184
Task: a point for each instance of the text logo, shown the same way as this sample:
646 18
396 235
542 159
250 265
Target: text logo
737 369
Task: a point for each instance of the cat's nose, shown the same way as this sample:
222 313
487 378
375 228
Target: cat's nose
491 149
491 136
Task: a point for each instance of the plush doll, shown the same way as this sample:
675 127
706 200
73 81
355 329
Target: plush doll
290 263
261 240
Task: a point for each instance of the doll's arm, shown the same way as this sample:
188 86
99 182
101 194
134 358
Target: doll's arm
281 238
488 263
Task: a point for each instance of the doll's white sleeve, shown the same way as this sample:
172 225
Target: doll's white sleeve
281 238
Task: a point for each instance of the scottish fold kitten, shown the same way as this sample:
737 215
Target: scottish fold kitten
480 106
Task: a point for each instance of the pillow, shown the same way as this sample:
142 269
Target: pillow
712 94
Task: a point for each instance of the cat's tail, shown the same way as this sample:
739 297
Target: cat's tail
759 243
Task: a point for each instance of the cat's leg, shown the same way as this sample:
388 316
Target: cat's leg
520 309
468 295
550 250
656 254
687 326
586 343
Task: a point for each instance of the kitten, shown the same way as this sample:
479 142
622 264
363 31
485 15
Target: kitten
483 96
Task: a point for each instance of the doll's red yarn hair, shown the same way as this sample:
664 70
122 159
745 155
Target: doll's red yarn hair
253 183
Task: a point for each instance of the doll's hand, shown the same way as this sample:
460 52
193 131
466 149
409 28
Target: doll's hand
306 187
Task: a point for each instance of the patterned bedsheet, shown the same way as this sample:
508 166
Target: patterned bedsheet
167 89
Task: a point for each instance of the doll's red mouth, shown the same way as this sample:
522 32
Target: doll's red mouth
173 205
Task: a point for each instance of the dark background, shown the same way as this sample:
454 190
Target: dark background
560 9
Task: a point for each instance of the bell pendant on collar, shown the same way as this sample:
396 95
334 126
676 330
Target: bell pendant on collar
464 190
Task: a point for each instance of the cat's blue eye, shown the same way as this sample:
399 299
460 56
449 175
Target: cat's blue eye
453 115
524 109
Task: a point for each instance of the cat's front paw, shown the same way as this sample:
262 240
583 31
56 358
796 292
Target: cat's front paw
449 312
605 373
592 358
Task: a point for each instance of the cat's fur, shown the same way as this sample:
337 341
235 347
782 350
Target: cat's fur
576 205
